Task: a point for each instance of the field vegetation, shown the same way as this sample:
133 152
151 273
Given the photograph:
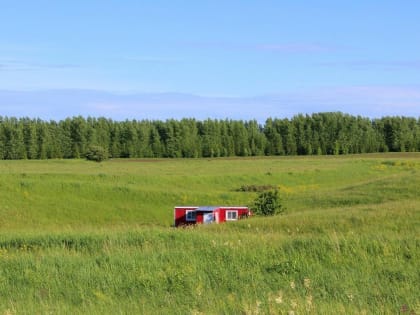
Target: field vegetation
79 237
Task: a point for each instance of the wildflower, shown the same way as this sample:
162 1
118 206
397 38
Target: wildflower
307 283
247 310
257 308
308 302
292 285
198 290
279 299
293 303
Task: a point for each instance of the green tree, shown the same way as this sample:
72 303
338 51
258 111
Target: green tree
155 143
240 136
96 153
291 146
227 146
42 141
29 138
64 134
268 203
190 144
2 139
128 137
210 138
78 136
13 137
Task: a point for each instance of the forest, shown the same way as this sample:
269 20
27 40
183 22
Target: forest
332 133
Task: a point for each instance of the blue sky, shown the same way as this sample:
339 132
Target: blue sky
219 59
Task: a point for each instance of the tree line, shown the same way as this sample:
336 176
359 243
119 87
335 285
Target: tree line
317 134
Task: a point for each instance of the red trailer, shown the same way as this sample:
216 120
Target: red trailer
186 215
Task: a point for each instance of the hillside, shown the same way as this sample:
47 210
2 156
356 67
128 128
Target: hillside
82 237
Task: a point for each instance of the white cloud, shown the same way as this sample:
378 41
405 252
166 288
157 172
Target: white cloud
288 47
374 64
150 59
367 101
21 65
293 48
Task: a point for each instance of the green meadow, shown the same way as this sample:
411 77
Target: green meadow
79 237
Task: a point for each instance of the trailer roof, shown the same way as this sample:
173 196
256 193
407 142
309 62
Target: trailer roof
210 208
207 208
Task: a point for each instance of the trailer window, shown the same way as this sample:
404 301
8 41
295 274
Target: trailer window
232 215
190 215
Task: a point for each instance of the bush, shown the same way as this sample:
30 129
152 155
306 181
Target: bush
268 203
255 188
96 153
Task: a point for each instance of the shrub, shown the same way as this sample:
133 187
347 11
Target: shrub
268 203
255 188
96 153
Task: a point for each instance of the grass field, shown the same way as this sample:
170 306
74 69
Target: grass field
79 237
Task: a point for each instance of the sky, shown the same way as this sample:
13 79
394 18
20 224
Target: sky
248 59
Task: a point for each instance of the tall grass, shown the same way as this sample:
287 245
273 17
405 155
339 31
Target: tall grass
80 237
68 193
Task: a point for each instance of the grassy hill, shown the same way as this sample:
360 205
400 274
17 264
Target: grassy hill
80 237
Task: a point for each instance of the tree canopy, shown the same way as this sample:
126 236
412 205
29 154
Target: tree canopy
316 134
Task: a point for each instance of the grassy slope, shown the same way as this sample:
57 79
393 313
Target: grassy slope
81 237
